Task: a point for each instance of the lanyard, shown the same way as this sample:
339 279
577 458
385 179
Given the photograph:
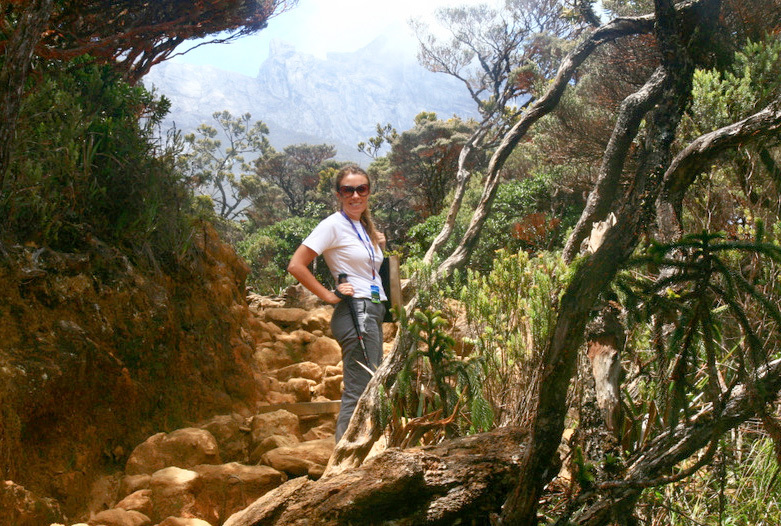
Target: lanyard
366 244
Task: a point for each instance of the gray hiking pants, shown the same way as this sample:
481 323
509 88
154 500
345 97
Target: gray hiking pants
355 375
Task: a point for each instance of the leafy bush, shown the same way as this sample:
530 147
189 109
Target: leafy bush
509 314
84 164
520 220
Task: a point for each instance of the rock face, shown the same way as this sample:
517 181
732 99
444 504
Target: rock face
98 352
301 98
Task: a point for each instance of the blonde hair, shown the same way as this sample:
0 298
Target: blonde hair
366 216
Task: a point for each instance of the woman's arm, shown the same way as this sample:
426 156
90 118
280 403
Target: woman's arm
299 268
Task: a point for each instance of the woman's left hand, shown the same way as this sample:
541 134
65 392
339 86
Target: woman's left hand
381 240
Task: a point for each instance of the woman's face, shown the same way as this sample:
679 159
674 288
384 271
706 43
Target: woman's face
354 204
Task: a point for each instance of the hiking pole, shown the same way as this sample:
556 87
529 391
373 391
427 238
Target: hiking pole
354 316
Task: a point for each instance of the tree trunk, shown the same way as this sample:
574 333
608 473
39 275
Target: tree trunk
598 270
617 28
460 481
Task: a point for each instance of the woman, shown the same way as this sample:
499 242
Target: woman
351 245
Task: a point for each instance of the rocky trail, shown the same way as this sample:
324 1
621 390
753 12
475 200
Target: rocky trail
202 474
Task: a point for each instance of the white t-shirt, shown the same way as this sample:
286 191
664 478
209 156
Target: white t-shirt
346 248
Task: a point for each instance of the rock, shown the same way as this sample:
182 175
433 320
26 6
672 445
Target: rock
306 458
275 398
300 370
140 500
297 296
229 488
324 351
320 432
183 448
297 337
318 320
119 517
232 441
279 422
331 388
272 328
270 358
323 421
173 492
286 317
301 388
332 370
104 492
132 483
256 302
21 507
269 443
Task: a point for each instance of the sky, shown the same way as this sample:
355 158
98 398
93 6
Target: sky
317 27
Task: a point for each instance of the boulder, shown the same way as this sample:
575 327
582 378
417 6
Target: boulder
332 370
21 507
324 351
257 302
119 517
103 493
318 320
297 338
286 317
132 483
269 443
276 398
278 422
227 431
272 328
293 344
173 492
320 432
331 388
306 458
140 500
298 296
301 388
300 370
183 448
269 357
228 488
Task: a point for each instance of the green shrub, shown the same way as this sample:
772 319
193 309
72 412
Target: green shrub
520 219
269 249
85 163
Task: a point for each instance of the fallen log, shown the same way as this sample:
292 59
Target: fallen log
465 480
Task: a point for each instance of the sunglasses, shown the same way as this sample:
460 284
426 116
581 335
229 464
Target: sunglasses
348 191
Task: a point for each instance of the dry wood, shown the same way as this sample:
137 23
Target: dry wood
458 481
